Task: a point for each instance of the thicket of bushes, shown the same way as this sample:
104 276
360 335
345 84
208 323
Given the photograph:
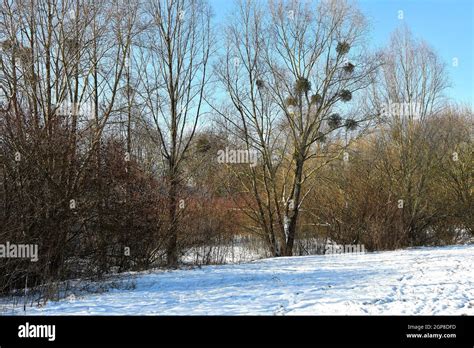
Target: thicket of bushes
403 186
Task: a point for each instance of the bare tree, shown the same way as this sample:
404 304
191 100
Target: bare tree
410 91
288 72
413 75
173 57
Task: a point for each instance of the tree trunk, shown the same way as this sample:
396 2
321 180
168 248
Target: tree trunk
172 247
293 219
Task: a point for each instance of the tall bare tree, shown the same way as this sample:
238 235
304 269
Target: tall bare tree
173 56
289 73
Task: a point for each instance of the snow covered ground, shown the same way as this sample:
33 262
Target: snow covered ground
412 282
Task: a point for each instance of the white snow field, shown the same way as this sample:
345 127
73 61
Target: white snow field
424 281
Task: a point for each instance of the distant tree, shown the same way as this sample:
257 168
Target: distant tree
413 80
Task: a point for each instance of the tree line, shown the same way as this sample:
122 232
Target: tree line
114 113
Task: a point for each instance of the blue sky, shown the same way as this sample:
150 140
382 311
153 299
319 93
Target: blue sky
447 25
